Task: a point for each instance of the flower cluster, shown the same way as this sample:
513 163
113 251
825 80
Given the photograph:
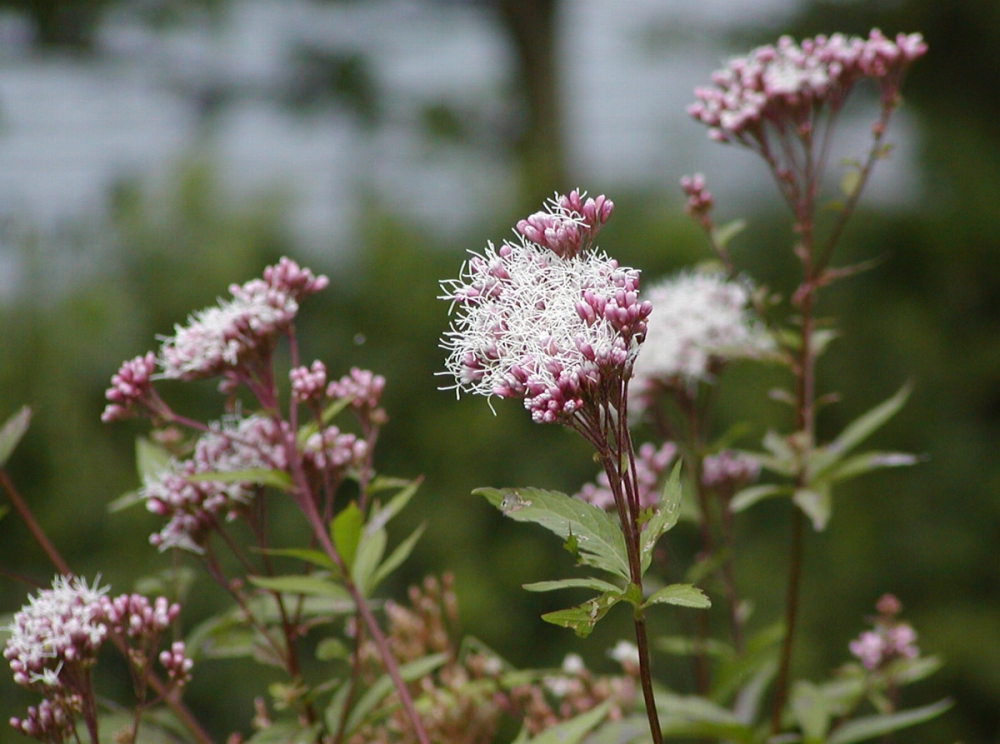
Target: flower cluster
727 470
219 338
545 322
54 641
569 224
132 385
364 389
650 465
890 639
698 321
787 83
699 199
193 507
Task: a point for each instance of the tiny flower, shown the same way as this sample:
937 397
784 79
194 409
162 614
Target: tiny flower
698 319
699 198
131 385
728 470
626 654
218 339
890 639
308 382
568 225
364 389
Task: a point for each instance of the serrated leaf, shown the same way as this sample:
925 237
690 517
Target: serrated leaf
583 618
747 497
550 586
573 730
871 727
260 476
345 531
151 459
397 556
12 431
384 685
599 538
310 586
368 555
682 595
724 233
667 513
816 503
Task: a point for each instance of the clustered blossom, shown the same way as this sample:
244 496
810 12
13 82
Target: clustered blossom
569 224
698 320
331 449
547 325
219 338
54 641
131 385
890 639
193 507
787 83
699 199
308 383
364 389
727 470
650 465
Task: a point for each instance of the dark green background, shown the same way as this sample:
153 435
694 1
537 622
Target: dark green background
929 313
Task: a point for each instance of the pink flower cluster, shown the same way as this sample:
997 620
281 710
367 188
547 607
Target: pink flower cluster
699 199
131 385
728 470
219 338
787 83
55 638
650 465
193 507
891 639
569 224
545 322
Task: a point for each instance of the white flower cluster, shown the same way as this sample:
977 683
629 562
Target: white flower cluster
697 319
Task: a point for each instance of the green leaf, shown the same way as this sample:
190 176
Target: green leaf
262 477
329 413
314 557
126 500
383 686
396 557
722 234
749 496
583 618
871 727
573 730
345 531
850 182
664 518
331 648
811 711
861 464
12 431
816 503
314 586
368 555
549 586
599 538
821 339
857 431
382 516
151 459
682 646
696 717
682 595
286 732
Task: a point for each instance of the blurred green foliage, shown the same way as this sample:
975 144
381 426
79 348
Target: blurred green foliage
928 313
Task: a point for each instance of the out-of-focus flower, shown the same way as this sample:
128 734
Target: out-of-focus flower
650 465
698 320
787 85
728 470
890 639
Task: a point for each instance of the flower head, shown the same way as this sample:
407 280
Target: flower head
786 84
220 338
890 639
698 319
543 323
131 385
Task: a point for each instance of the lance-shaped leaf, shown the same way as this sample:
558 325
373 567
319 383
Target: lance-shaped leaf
573 730
583 618
275 478
12 431
550 586
599 539
396 557
871 727
314 585
664 518
682 595
747 497
865 463
816 503
345 532
856 432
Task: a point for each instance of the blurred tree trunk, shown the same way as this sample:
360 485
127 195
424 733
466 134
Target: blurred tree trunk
531 25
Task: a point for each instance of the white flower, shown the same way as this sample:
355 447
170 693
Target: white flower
539 326
697 318
625 653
